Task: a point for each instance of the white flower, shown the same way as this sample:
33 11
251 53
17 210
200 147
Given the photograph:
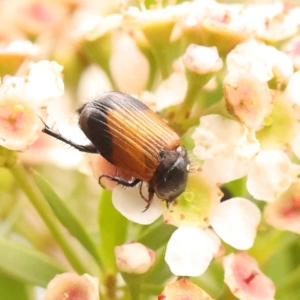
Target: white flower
22 103
260 60
190 249
270 175
226 156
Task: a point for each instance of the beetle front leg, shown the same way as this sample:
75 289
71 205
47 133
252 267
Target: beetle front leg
119 180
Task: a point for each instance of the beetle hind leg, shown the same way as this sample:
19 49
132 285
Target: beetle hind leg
83 148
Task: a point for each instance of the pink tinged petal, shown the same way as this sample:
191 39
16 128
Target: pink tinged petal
92 79
270 175
292 89
183 289
71 286
134 258
190 251
135 81
245 279
284 212
235 221
131 205
226 168
247 98
202 59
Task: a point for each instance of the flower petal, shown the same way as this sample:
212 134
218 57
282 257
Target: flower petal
190 251
270 175
131 205
245 279
235 221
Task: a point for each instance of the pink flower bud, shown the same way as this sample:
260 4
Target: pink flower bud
245 280
183 289
71 286
134 258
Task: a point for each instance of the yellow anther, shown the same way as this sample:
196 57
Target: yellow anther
16 111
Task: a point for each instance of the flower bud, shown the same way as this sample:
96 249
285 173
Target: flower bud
13 54
72 287
183 289
134 258
201 59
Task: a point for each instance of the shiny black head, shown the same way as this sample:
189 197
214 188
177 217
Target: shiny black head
170 177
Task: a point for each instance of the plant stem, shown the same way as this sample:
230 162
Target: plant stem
37 200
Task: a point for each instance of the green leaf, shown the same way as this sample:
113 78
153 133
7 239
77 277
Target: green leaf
26 264
11 289
66 216
113 229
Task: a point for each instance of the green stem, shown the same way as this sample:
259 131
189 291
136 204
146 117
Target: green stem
134 293
153 289
195 84
152 71
184 124
162 61
133 283
37 200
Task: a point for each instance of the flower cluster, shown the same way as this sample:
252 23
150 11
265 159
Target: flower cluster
225 77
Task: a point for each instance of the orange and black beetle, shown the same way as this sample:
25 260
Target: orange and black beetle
132 137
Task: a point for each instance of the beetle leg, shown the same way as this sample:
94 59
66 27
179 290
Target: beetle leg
149 200
133 182
83 148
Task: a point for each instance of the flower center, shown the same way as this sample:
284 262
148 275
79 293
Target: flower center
17 112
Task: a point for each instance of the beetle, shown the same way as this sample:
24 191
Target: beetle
132 137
